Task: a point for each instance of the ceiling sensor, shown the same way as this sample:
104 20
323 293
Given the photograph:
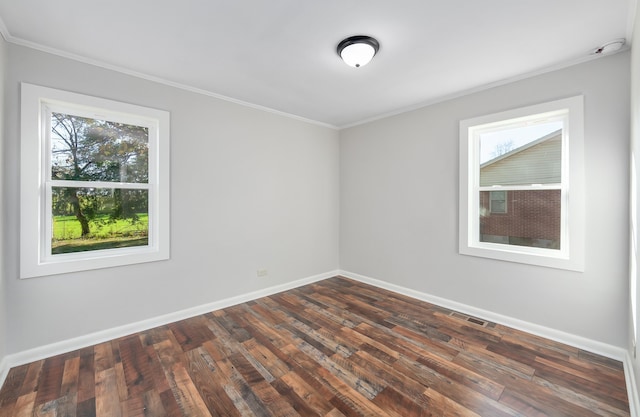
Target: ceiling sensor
609 47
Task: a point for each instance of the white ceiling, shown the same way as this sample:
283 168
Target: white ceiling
281 54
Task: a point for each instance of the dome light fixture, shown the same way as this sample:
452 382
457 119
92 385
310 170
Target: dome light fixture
357 51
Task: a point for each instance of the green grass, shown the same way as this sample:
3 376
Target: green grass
84 245
103 234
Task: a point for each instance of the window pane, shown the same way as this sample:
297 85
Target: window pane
532 219
498 201
88 149
86 219
522 155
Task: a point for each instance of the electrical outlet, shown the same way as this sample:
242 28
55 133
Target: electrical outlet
262 272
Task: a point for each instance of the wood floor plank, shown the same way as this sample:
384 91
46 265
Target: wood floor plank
7 410
495 371
579 399
134 407
321 316
313 401
411 348
584 371
50 381
359 383
334 348
24 405
369 344
153 404
393 378
86 378
299 405
443 405
233 329
136 365
267 359
543 404
87 408
170 404
601 391
103 357
203 372
121 381
186 393
394 402
240 391
463 376
435 346
593 358
190 333
160 381
237 345
107 398
347 399
31 377
65 406
70 377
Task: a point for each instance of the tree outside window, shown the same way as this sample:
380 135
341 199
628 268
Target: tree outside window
91 218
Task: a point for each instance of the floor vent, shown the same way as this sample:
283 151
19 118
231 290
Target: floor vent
470 319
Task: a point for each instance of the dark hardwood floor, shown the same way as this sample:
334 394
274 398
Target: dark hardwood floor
333 348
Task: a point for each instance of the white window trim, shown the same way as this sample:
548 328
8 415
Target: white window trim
34 261
571 256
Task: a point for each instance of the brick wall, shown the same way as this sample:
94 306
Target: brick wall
531 215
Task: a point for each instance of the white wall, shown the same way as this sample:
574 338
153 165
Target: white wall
249 190
635 153
399 206
3 223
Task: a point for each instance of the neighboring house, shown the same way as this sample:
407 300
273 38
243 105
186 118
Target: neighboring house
525 217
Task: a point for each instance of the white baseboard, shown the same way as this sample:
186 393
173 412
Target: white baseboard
80 342
579 342
4 369
632 387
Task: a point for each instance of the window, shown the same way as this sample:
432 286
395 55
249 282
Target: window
521 185
497 201
94 183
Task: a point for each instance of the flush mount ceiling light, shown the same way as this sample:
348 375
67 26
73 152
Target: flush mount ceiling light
357 51
609 47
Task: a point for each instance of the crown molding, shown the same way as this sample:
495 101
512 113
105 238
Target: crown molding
487 86
159 80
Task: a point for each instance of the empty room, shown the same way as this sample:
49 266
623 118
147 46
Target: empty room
337 208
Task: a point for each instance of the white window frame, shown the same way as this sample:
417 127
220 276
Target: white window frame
35 197
571 254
